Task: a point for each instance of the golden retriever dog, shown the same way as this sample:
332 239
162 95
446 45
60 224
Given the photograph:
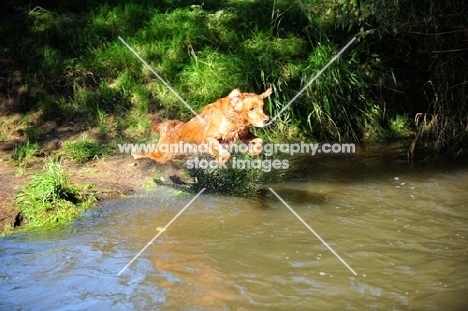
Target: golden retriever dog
225 121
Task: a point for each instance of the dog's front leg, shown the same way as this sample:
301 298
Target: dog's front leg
217 150
255 144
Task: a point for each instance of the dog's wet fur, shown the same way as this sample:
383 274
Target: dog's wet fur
225 121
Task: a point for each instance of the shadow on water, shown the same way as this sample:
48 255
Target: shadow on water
375 164
264 197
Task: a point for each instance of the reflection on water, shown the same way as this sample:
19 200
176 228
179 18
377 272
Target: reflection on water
402 227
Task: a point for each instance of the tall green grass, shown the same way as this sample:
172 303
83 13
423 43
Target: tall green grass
76 69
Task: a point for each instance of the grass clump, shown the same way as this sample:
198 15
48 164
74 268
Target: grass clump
49 198
32 134
3 131
23 154
83 150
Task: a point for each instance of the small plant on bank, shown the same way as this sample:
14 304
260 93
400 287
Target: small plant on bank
23 155
83 150
3 131
32 134
24 152
49 198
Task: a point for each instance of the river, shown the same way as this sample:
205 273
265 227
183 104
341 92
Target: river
399 232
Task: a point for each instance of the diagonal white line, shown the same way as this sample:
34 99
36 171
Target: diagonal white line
162 80
161 231
308 227
310 82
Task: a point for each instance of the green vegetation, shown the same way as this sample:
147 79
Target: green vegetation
23 154
83 150
408 63
406 73
50 199
3 131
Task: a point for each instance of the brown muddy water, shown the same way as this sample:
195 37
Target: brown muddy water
403 228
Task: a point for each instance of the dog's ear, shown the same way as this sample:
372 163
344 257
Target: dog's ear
267 93
236 100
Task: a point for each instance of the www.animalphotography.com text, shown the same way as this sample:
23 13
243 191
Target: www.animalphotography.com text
268 150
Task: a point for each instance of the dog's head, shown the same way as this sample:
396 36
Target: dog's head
250 106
